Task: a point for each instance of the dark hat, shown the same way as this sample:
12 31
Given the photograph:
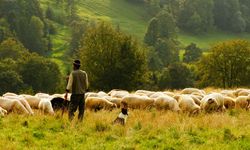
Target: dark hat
77 62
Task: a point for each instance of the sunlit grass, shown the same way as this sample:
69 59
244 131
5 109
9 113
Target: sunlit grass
144 130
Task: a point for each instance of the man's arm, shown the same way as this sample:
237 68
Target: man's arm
87 83
69 86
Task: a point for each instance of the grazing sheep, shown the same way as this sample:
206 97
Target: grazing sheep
43 95
12 105
118 93
244 93
114 100
187 104
156 95
213 102
9 94
45 106
228 93
90 94
167 103
196 99
144 92
97 103
229 102
139 102
242 102
22 100
3 112
193 91
32 100
169 93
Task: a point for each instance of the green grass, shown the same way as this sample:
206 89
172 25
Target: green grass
129 17
205 41
61 47
144 130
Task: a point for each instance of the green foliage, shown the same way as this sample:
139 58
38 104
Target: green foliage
196 16
23 71
154 62
162 26
161 34
77 31
112 59
36 35
10 80
245 9
167 51
228 16
26 20
239 23
4 30
41 74
192 53
49 13
226 65
164 79
180 76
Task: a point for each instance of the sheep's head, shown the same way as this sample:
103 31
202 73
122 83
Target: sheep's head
211 105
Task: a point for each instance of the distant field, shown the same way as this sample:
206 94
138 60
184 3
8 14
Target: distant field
205 41
130 18
144 130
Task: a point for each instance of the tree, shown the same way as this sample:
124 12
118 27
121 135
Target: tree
161 26
239 23
226 65
41 74
36 36
13 49
167 51
245 9
196 16
180 76
26 21
112 59
228 16
192 53
152 32
4 30
162 35
77 31
49 13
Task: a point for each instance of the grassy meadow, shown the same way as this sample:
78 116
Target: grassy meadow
145 129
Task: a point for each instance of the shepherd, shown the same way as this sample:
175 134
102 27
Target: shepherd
78 86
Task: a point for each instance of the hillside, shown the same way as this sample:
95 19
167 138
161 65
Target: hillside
131 18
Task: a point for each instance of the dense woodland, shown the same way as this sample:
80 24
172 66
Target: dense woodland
115 59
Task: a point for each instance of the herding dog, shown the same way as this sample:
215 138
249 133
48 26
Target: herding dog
122 117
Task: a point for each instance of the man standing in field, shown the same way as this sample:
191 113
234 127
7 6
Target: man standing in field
78 85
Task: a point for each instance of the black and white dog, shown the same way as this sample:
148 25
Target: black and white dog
122 117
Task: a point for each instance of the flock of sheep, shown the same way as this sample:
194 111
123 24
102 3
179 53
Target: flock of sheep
189 100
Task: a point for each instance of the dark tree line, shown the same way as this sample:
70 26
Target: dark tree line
201 16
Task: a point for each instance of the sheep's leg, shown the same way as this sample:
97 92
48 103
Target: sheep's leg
17 105
27 106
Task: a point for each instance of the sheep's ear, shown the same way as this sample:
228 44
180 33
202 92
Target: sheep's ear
210 101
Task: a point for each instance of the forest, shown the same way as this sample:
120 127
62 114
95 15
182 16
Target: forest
39 40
